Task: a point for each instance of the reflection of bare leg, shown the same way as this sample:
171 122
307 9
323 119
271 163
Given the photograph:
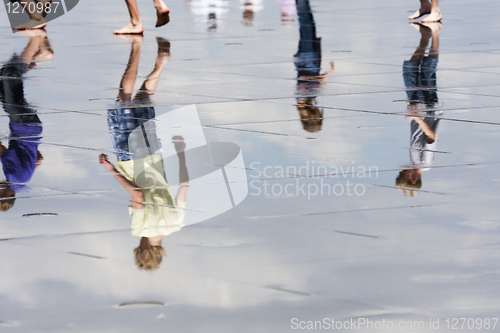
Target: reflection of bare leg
435 30
45 52
424 42
39 43
36 40
135 25
129 76
162 13
435 15
149 85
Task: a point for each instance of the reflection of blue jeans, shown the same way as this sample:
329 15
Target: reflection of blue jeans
19 161
12 92
308 57
420 81
121 122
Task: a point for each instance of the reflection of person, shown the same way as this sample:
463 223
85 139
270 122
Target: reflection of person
37 10
135 25
250 7
419 75
288 10
308 66
428 7
154 211
211 10
22 157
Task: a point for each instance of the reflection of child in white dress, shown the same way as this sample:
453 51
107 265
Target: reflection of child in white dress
206 8
209 11
154 211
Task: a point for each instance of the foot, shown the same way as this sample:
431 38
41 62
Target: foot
162 14
43 54
31 25
46 51
132 39
34 32
435 28
423 29
425 9
417 26
130 29
435 16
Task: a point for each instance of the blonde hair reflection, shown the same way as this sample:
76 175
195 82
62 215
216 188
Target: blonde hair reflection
150 258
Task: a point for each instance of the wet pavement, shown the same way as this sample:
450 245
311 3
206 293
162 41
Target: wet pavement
357 179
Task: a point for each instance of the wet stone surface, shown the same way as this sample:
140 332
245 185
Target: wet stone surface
252 166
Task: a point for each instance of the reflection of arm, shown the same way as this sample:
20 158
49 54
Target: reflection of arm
182 192
183 178
330 71
321 77
131 188
3 149
425 128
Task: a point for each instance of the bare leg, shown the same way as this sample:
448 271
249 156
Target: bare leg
425 8
435 15
135 25
129 76
149 85
162 13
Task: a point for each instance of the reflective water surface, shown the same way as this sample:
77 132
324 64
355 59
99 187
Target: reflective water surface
253 166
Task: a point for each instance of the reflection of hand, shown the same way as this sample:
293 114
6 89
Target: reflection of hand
179 144
103 160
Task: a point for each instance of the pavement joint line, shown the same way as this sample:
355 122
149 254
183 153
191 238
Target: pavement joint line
281 120
443 118
255 131
337 212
